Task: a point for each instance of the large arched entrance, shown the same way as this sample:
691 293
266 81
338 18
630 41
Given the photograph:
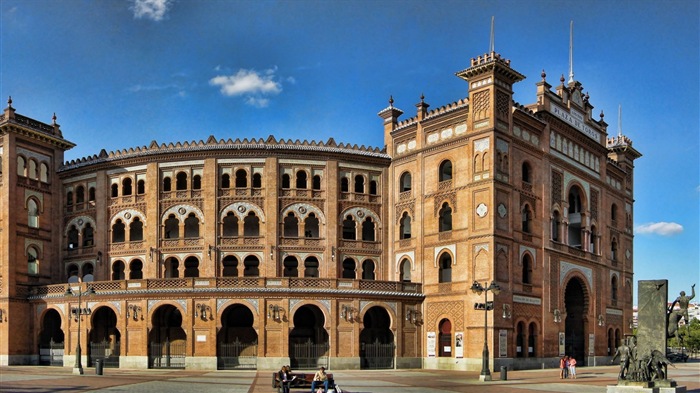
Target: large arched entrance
104 338
167 340
308 340
376 340
576 317
237 340
51 340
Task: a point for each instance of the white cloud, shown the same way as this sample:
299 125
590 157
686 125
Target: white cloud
247 82
254 85
151 9
659 228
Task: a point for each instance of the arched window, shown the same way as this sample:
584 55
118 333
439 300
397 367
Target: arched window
72 272
349 228
405 182
286 181
291 267
230 225
368 269
311 228
520 340
445 171
359 184
192 267
257 180
445 268
556 219
196 182
445 222
527 173
118 232
250 266
316 183
349 268
291 225
593 247
32 170
344 184
69 198
251 225
301 180
241 178
172 227
311 267
21 166
368 230
167 186
141 187
136 230
613 250
136 270
373 187
44 173
91 194
613 212
527 269
526 218
115 190
32 214
445 338
613 289
405 226
405 269
181 181
126 186
172 268
80 194
72 237
225 181
191 226
575 219
88 271
117 270
88 235
230 266
32 261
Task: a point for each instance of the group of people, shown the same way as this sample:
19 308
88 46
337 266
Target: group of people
567 367
286 379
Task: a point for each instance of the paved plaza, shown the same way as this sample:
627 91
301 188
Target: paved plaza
34 379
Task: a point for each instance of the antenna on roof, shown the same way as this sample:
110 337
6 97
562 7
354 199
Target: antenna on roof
619 120
571 52
492 43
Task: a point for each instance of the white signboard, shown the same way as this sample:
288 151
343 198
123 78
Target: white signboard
591 344
503 343
431 344
562 342
576 120
459 345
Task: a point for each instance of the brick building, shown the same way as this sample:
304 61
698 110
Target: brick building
258 253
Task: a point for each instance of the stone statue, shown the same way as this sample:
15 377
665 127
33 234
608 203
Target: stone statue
684 302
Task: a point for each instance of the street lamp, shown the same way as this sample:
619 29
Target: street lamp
77 315
478 289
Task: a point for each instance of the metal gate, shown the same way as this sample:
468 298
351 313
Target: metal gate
107 351
167 355
377 355
308 355
51 355
237 355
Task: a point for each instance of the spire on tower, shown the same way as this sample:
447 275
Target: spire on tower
571 52
492 43
619 120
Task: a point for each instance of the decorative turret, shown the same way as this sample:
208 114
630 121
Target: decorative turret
390 116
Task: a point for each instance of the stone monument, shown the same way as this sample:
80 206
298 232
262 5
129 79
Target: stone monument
643 362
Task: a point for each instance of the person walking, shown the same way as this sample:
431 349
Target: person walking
572 368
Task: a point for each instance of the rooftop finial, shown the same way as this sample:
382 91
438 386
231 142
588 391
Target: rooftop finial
492 43
391 101
9 102
54 118
571 52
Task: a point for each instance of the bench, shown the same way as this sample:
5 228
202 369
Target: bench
302 381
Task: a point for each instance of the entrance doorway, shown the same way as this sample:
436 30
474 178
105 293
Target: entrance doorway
377 340
51 340
237 340
575 303
308 340
104 338
167 340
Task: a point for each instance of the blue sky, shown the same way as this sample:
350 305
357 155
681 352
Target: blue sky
121 73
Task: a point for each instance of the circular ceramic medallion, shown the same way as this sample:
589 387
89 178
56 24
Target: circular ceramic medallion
502 211
241 209
481 210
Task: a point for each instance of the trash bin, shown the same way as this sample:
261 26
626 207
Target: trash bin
504 373
99 365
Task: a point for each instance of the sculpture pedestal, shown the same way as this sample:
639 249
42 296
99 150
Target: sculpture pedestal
667 386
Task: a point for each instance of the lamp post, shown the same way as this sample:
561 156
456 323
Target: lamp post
478 289
77 315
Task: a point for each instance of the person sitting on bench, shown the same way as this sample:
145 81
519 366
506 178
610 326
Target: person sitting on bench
320 377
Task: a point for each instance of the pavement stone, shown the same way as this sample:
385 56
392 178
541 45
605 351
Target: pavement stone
35 379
